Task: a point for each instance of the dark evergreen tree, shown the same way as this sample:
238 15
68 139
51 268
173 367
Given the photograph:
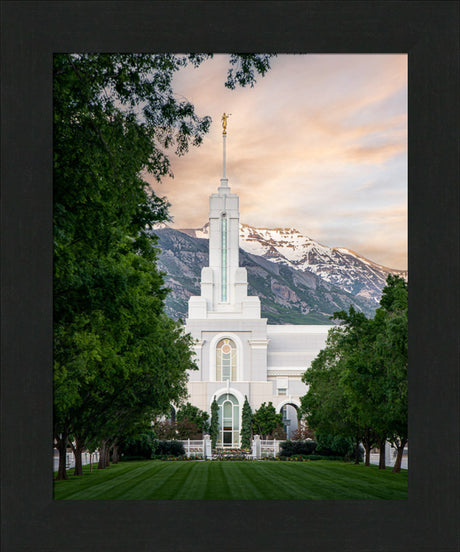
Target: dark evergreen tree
214 430
246 425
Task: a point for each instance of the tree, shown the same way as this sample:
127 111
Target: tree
194 415
302 432
141 444
117 358
391 346
266 420
214 428
361 378
185 429
246 425
326 406
358 382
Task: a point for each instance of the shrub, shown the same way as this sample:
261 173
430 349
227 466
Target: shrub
301 433
182 429
290 448
334 445
139 446
169 448
165 429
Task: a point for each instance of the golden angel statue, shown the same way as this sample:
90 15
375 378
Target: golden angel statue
224 121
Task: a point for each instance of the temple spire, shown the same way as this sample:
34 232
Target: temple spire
224 187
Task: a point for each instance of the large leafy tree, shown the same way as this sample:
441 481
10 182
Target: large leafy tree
392 350
361 378
117 358
358 382
266 421
194 415
326 406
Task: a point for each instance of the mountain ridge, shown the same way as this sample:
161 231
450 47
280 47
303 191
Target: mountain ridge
294 286
336 265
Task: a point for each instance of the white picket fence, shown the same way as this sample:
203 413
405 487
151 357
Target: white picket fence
269 448
261 448
200 448
86 458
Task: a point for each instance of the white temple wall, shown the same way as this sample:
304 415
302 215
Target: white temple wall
260 392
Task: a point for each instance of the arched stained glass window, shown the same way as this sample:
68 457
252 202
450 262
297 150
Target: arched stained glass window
226 360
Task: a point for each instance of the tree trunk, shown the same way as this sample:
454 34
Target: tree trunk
368 442
77 451
367 448
103 456
107 455
61 445
115 456
382 443
397 466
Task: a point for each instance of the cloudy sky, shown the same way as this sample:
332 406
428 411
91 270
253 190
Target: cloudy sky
319 144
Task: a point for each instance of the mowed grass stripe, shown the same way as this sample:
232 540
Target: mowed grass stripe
298 483
114 482
218 486
322 482
249 483
251 480
169 483
190 482
269 482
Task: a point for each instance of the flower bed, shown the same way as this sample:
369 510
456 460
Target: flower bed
231 454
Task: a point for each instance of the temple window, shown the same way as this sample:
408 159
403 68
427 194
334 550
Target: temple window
226 360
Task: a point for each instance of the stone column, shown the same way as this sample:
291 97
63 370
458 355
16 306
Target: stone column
207 450
256 447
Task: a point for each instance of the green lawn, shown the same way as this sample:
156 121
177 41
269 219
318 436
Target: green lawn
247 480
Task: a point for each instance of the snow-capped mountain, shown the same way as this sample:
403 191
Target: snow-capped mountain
338 266
287 295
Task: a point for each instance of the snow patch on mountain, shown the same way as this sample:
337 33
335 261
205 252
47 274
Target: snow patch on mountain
336 265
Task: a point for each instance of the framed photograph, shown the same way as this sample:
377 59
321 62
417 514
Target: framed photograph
342 145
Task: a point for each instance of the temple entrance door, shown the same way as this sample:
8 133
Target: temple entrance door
229 421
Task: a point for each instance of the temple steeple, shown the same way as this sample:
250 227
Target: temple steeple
224 282
224 187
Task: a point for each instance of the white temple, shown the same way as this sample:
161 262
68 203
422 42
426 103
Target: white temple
237 352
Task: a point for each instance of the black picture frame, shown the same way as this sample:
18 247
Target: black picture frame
31 32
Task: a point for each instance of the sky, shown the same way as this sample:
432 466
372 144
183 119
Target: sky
319 144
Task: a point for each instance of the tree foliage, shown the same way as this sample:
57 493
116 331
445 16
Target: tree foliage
246 424
266 421
214 427
118 360
358 382
194 415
